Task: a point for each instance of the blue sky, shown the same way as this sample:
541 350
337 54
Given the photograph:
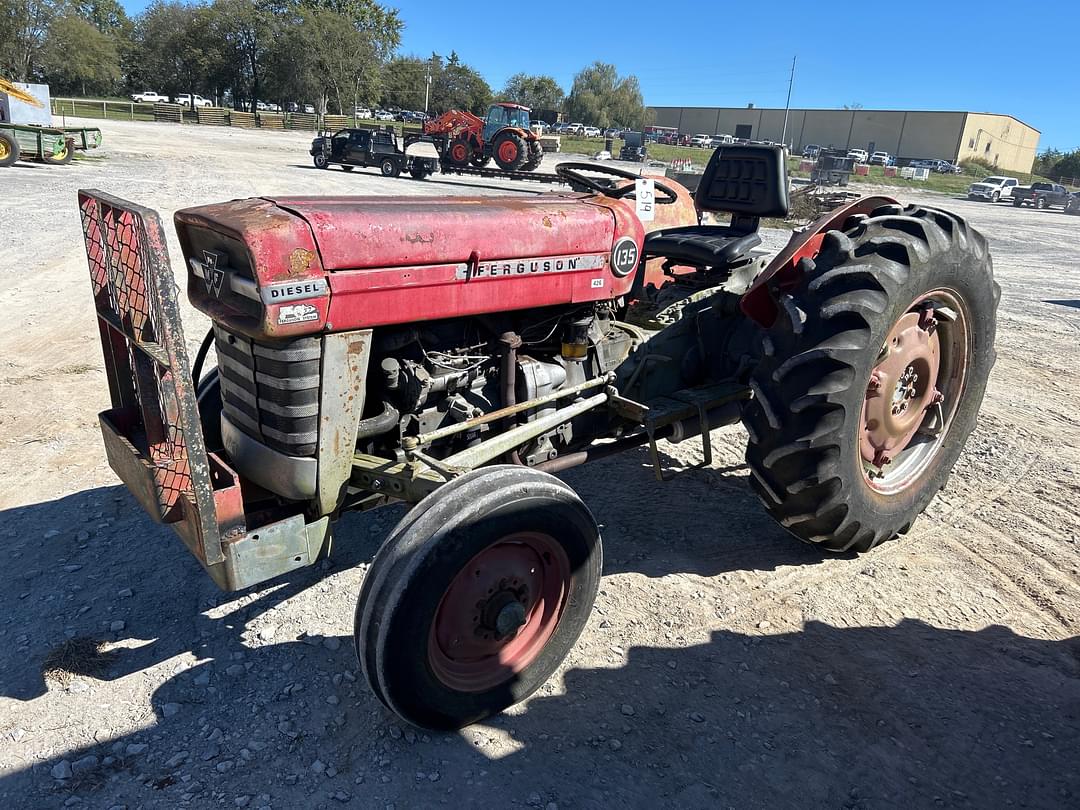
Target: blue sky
943 55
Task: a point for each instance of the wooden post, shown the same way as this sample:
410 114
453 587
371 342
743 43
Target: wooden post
104 112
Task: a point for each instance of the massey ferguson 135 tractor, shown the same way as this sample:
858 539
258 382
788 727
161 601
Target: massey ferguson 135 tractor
453 353
462 138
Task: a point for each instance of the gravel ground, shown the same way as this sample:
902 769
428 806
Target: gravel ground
725 663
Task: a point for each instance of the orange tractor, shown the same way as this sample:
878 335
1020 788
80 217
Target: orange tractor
462 138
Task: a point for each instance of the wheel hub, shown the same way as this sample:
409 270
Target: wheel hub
902 386
499 612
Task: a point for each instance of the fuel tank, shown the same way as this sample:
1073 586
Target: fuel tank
280 267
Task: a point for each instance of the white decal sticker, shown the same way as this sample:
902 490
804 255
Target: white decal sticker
645 199
597 283
297 313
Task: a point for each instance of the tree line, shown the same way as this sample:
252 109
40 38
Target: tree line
333 54
1056 163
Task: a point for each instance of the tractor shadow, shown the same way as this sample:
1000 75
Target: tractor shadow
1075 303
812 716
89 560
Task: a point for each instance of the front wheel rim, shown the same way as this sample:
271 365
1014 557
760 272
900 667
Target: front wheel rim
914 391
499 612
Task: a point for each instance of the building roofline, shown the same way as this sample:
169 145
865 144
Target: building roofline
836 109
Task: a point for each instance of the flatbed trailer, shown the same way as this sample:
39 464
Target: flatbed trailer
33 143
538 177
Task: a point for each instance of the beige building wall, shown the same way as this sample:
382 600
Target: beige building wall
1000 139
907 135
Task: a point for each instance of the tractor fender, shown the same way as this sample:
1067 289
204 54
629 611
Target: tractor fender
759 303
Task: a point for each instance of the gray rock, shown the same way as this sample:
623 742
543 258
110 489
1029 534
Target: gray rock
84 764
332 643
234 670
51 533
627 709
216 736
318 766
61 770
224 766
71 569
333 700
342 796
125 593
170 709
614 745
117 626
242 801
134 749
268 632
203 678
176 759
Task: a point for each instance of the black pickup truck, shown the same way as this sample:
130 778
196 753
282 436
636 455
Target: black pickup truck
349 148
1040 195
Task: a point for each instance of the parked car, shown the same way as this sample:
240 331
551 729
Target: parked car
591 132
612 132
701 141
1041 195
575 129
561 128
858 155
722 138
812 150
184 99
149 97
308 108
993 188
384 115
880 159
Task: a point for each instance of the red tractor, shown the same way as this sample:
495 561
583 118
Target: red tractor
462 138
455 353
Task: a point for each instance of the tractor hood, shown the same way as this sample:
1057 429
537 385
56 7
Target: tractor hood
368 232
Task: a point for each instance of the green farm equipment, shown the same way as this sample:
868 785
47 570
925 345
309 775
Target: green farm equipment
47 144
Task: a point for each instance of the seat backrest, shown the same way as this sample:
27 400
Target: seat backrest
748 181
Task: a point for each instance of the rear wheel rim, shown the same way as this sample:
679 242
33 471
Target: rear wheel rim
508 151
459 153
914 391
499 612
4 150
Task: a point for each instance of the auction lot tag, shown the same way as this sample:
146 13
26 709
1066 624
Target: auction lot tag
645 193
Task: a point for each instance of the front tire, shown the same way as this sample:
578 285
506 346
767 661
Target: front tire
872 377
61 158
321 161
1040 203
995 197
389 168
477 596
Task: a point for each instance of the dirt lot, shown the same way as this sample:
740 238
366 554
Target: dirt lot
725 665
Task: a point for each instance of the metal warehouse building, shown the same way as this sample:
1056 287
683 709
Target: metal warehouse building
955 136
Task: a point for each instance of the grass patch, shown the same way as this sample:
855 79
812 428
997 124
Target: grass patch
81 655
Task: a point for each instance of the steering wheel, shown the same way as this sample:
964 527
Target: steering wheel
571 173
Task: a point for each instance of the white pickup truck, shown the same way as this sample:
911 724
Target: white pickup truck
858 155
149 97
993 188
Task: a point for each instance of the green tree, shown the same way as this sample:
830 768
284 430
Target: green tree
107 16
324 57
602 98
24 25
404 82
536 92
456 86
77 57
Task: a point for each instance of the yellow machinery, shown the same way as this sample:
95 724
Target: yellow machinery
16 93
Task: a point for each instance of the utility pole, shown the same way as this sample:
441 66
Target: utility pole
787 107
427 89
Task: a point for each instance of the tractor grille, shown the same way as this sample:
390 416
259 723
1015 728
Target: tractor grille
271 391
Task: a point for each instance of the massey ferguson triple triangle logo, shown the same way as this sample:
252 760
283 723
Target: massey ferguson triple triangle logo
212 274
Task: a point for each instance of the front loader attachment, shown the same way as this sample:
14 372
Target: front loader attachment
152 433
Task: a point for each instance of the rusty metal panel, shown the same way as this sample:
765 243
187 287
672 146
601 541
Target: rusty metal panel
344 378
154 409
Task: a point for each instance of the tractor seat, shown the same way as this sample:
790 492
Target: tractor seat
746 181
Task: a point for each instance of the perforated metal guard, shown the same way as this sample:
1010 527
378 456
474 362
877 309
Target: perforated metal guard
154 406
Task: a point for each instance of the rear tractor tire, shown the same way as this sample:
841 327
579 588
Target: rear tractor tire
510 151
536 156
871 378
9 150
477 596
